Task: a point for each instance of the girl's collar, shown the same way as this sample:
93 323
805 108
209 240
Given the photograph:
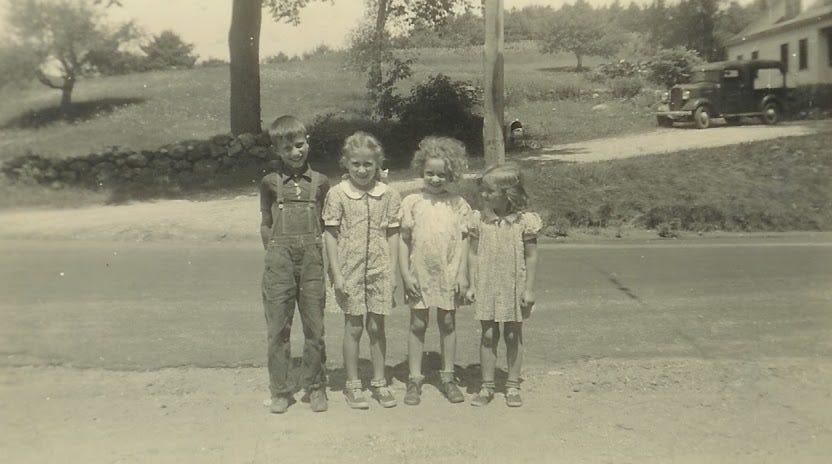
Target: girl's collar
355 193
491 217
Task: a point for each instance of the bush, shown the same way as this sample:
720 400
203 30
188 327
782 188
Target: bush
277 59
214 63
441 106
669 67
809 99
625 87
168 50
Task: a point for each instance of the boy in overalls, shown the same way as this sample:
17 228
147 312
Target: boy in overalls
291 200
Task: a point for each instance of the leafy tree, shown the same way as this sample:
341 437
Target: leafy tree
168 50
527 23
371 50
580 30
244 54
60 37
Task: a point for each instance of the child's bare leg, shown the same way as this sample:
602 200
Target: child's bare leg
378 344
513 334
447 341
353 328
488 350
416 341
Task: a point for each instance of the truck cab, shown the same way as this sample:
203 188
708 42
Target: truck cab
730 90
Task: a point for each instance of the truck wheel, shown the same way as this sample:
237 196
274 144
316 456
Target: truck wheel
702 118
771 113
664 121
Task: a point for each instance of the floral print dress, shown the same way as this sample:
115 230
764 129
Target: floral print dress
501 263
435 225
363 218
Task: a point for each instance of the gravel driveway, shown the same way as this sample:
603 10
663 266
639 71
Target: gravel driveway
665 140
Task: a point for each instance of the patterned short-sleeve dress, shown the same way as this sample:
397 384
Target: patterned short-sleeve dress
435 225
363 218
501 264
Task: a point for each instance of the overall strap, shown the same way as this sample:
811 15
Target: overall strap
278 189
312 208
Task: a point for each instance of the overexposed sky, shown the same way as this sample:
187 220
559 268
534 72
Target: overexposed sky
205 23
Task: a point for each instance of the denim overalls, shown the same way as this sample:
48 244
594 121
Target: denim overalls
294 273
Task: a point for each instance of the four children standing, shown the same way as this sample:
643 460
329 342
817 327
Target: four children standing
445 253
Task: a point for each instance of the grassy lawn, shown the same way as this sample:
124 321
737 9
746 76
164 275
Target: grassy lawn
148 110
761 186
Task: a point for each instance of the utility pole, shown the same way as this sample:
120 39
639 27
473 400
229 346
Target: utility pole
493 125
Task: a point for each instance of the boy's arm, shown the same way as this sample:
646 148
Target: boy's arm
266 219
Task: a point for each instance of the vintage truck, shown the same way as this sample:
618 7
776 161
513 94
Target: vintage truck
730 90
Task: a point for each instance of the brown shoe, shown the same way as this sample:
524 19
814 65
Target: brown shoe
452 392
482 398
413 396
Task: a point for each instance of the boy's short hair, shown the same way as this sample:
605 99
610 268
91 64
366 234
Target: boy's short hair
285 128
448 149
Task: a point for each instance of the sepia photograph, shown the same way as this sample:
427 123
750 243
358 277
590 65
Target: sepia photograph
416 231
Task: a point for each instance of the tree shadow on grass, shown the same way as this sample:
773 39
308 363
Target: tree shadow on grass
564 69
77 112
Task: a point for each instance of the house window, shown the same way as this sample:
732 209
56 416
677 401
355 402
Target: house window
755 55
803 54
784 56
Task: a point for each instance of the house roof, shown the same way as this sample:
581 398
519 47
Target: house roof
816 13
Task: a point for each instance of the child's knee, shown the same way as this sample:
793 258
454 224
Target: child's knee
418 321
447 321
490 335
512 333
375 325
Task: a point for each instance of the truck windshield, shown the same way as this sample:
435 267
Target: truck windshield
706 76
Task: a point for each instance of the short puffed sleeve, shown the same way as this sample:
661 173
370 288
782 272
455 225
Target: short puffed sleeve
531 225
473 223
407 221
333 207
463 212
394 209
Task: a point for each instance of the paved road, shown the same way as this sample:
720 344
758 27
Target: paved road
143 306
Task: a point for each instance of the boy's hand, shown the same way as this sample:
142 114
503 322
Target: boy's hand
411 287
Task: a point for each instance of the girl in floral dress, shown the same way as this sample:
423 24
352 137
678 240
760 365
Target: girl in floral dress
433 258
502 261
361 221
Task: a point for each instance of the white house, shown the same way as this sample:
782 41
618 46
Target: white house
798 35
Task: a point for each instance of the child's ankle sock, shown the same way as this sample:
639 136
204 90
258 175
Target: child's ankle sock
446 376
378 383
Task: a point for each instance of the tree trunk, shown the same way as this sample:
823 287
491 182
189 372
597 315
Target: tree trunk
493 67
244 51
375 77
66 93
580 62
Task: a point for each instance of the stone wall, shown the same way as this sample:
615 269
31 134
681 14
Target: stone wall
222 160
